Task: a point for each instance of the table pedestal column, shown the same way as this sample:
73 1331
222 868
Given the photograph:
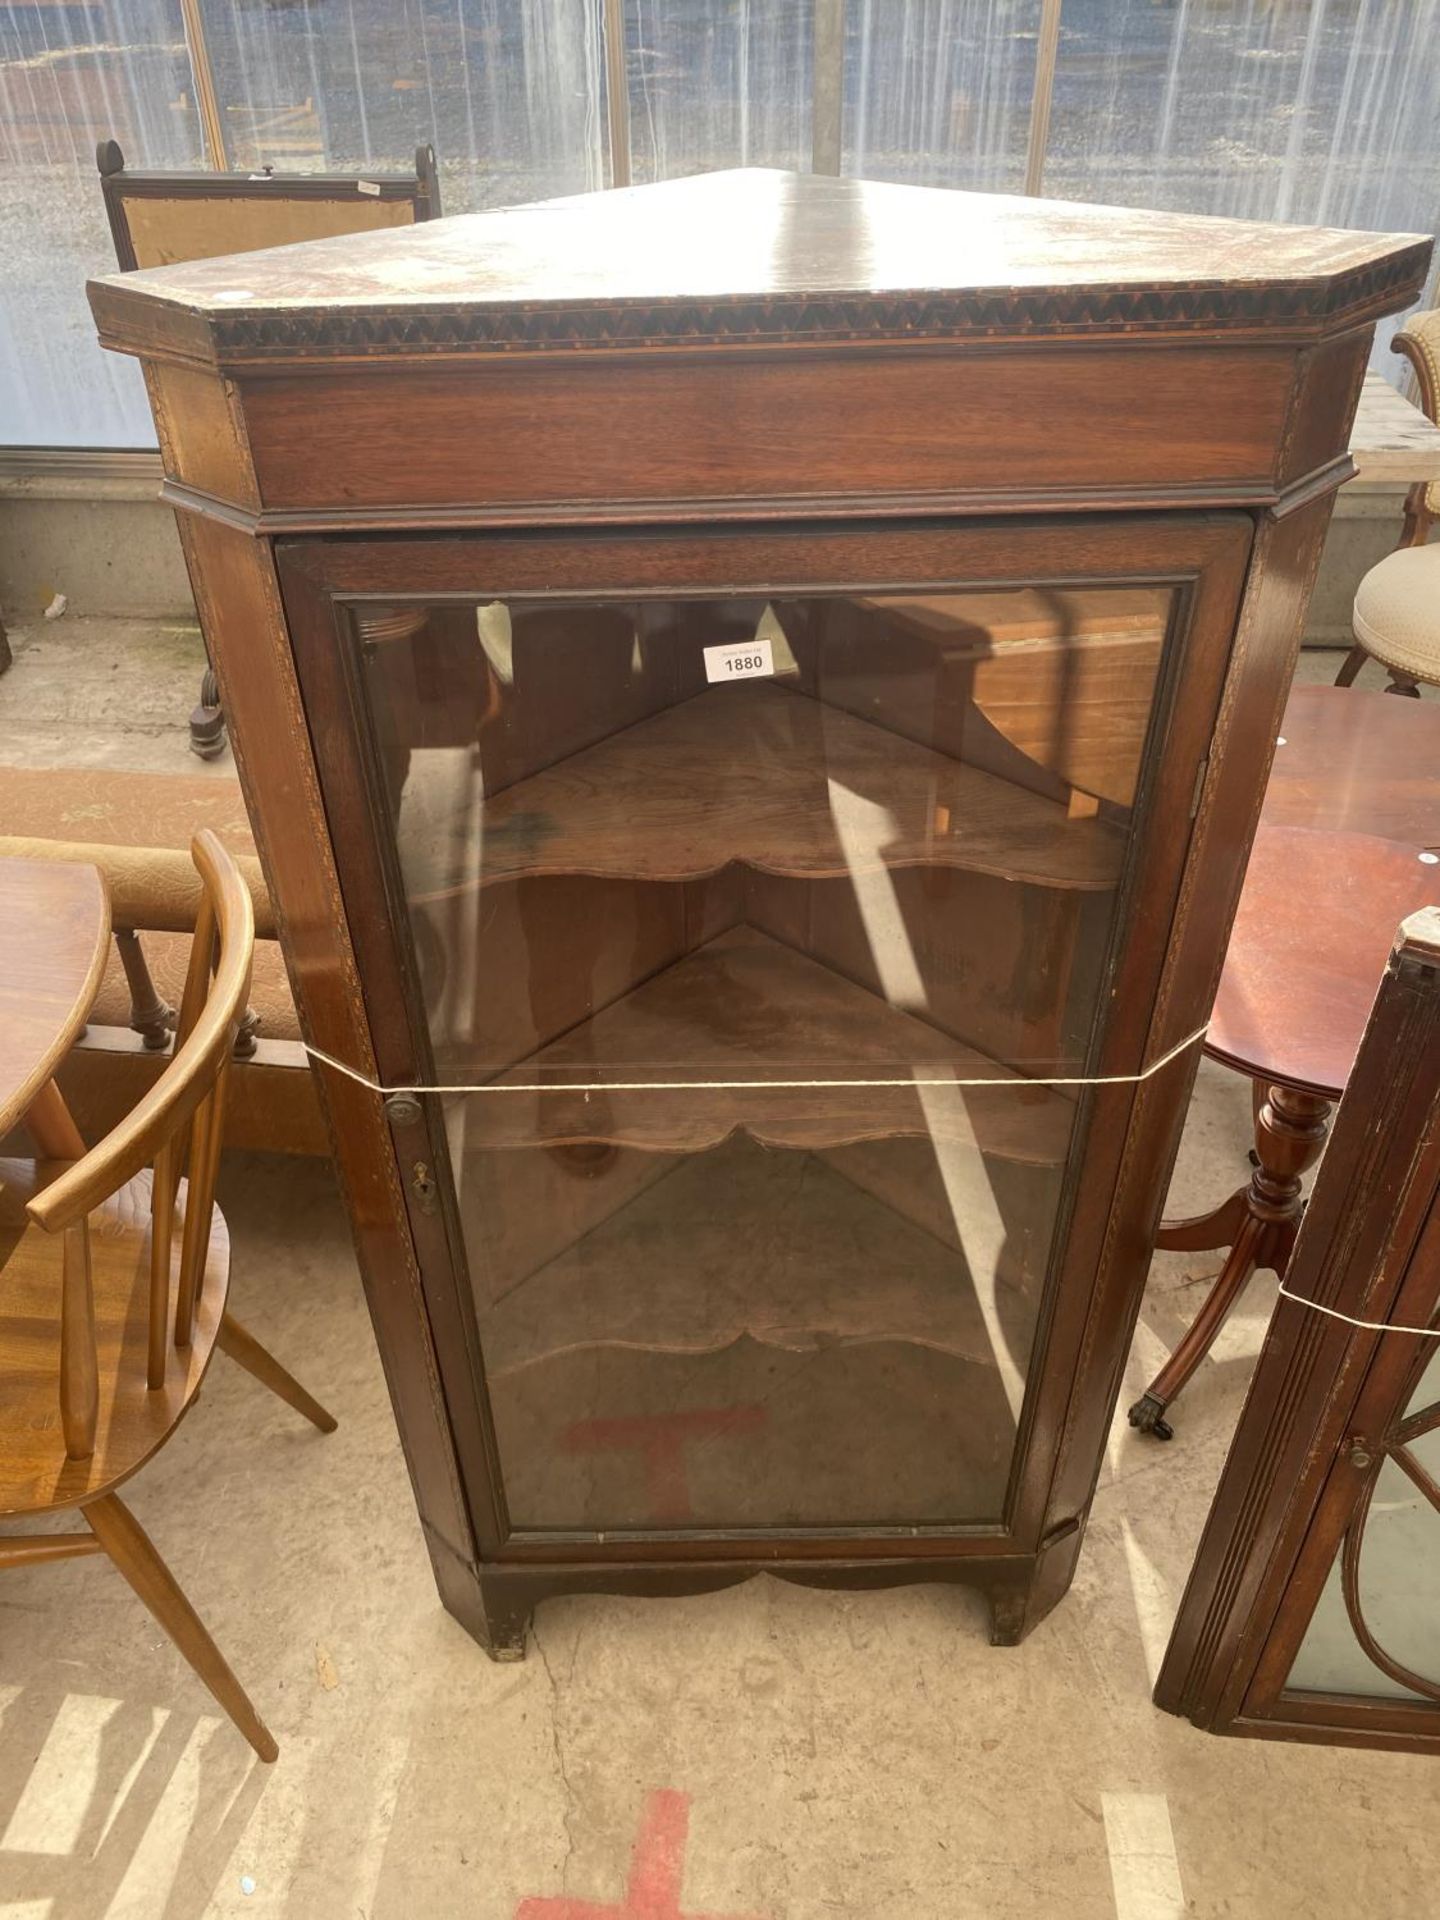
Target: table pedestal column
1258 1225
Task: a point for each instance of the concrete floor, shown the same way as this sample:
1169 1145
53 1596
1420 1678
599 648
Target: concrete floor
767 1753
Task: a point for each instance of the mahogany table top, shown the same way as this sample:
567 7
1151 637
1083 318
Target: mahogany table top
1346 849
1391 440
1358 762
54 926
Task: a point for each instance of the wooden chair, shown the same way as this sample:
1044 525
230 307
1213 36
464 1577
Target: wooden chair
1397 604
114 1272
159 219
155 894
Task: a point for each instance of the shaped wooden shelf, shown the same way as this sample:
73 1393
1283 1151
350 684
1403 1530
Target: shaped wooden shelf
752 1436
757 774
822 1264
747 1009
1065 675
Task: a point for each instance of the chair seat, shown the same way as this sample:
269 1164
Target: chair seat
35 1472
1397 612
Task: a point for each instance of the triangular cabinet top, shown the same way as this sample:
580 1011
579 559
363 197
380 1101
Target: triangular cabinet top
758 259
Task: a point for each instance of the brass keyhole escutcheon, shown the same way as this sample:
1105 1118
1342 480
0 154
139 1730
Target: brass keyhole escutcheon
422 1185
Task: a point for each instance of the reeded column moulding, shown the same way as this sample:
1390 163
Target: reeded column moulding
715 667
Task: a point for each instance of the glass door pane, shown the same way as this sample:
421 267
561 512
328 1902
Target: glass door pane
756 932
1376 1627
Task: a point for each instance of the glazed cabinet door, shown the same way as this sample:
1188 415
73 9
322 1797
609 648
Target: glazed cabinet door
753 910
1311 1611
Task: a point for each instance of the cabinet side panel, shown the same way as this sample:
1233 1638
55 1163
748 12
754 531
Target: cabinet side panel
201 431
1282 570
1322 409
997 423
238 596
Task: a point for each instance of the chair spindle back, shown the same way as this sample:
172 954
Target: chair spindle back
177 1129
157 219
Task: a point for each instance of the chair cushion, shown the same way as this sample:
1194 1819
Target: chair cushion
1397 612
35 1472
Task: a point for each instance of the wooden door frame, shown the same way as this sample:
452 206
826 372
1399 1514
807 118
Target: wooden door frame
1325 1394
1160 992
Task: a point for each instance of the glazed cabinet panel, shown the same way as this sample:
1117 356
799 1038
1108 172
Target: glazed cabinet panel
751 912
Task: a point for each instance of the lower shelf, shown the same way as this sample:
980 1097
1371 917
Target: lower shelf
777 1247
845 1437
755 1325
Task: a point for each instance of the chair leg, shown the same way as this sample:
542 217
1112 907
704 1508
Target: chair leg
1353 662
48 1122
207 722
1405 684
150 1016
128 1545
246 1351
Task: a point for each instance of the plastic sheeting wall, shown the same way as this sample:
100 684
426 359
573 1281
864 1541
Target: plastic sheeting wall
717 85
68 76
937 92
1311 110
1290 109
511 93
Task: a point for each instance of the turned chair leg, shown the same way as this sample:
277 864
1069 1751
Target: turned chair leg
128 1545
207 722
150 1016
245 1034
1405 684
246 1351
1258 1224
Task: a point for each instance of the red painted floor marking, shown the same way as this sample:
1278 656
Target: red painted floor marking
657 1864
661 1438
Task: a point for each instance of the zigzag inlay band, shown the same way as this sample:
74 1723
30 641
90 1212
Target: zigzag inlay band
800 318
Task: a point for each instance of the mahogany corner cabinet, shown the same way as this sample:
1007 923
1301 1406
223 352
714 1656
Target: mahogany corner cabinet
754 694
